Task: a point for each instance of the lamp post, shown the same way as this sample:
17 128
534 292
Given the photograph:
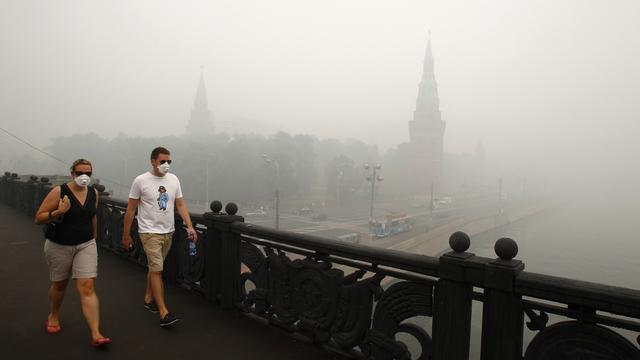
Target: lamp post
206 185
124 172
338 183
431 204
273 161
373 178
500 195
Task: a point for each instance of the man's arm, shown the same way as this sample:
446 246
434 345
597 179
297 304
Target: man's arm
132 206
181 206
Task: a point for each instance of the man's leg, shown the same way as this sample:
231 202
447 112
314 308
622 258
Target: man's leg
153 246
148 294
56 295
157 288
90 306
157 276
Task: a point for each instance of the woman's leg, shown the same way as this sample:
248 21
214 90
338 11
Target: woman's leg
59 259
85 271
90 305
56 295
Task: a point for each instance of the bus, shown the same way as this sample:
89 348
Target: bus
392 225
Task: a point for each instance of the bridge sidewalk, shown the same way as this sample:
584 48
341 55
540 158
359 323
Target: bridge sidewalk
205 331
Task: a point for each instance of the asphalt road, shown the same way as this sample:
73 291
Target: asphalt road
349 220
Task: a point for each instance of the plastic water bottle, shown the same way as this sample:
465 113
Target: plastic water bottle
192 248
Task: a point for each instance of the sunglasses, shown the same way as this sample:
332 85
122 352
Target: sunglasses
165 161
78 173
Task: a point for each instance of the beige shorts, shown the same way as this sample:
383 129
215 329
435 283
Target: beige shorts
75 261
156 246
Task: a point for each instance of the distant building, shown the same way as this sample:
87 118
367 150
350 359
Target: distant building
426 132
201 122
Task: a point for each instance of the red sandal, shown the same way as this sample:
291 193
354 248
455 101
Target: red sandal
101 342
51 329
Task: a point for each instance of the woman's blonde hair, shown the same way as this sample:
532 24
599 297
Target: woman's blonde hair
80 162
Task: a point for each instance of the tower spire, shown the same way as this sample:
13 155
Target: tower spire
426 131
428 54
200 122
201 93
427 103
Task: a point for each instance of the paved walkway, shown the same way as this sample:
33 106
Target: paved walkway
205 331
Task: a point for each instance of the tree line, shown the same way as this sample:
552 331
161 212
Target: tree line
232 167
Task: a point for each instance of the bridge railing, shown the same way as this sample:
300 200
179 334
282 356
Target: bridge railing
370 303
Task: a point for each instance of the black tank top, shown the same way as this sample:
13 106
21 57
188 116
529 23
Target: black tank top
76 227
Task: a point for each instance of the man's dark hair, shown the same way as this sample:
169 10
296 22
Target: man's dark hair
157 151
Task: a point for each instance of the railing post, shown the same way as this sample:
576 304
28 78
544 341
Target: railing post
172 262
4 188
43 189
225 271
33 187
502 315
14 195
212 253
20 195
453 296
101 226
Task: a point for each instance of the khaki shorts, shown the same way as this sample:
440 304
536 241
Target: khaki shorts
76 261
156 246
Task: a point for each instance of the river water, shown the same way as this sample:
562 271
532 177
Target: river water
585 240
593 238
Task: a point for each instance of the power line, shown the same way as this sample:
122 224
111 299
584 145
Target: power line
54 157
33 147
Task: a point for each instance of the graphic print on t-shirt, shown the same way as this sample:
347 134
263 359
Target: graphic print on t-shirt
163 198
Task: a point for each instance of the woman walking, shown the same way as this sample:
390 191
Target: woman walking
70 247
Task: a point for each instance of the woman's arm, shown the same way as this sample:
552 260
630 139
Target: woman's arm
52 206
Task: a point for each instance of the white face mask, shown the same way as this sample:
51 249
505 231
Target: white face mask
82 180
164 168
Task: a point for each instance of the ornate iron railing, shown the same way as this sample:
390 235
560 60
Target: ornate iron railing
361 302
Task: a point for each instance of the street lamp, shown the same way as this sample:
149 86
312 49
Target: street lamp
373 178
273 161
338 183
499 195
206 205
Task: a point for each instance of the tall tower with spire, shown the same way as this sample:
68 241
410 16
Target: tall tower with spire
201 122
426 132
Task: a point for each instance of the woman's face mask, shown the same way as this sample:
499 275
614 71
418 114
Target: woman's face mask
82 180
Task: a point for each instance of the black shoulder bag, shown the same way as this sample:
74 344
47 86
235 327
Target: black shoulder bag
49 228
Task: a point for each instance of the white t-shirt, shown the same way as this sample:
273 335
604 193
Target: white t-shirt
157 195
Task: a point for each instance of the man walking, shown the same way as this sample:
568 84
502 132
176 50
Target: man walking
154 195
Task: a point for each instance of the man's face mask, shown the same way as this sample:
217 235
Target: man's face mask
164 166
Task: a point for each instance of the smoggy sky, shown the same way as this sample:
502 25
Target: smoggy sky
539 83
